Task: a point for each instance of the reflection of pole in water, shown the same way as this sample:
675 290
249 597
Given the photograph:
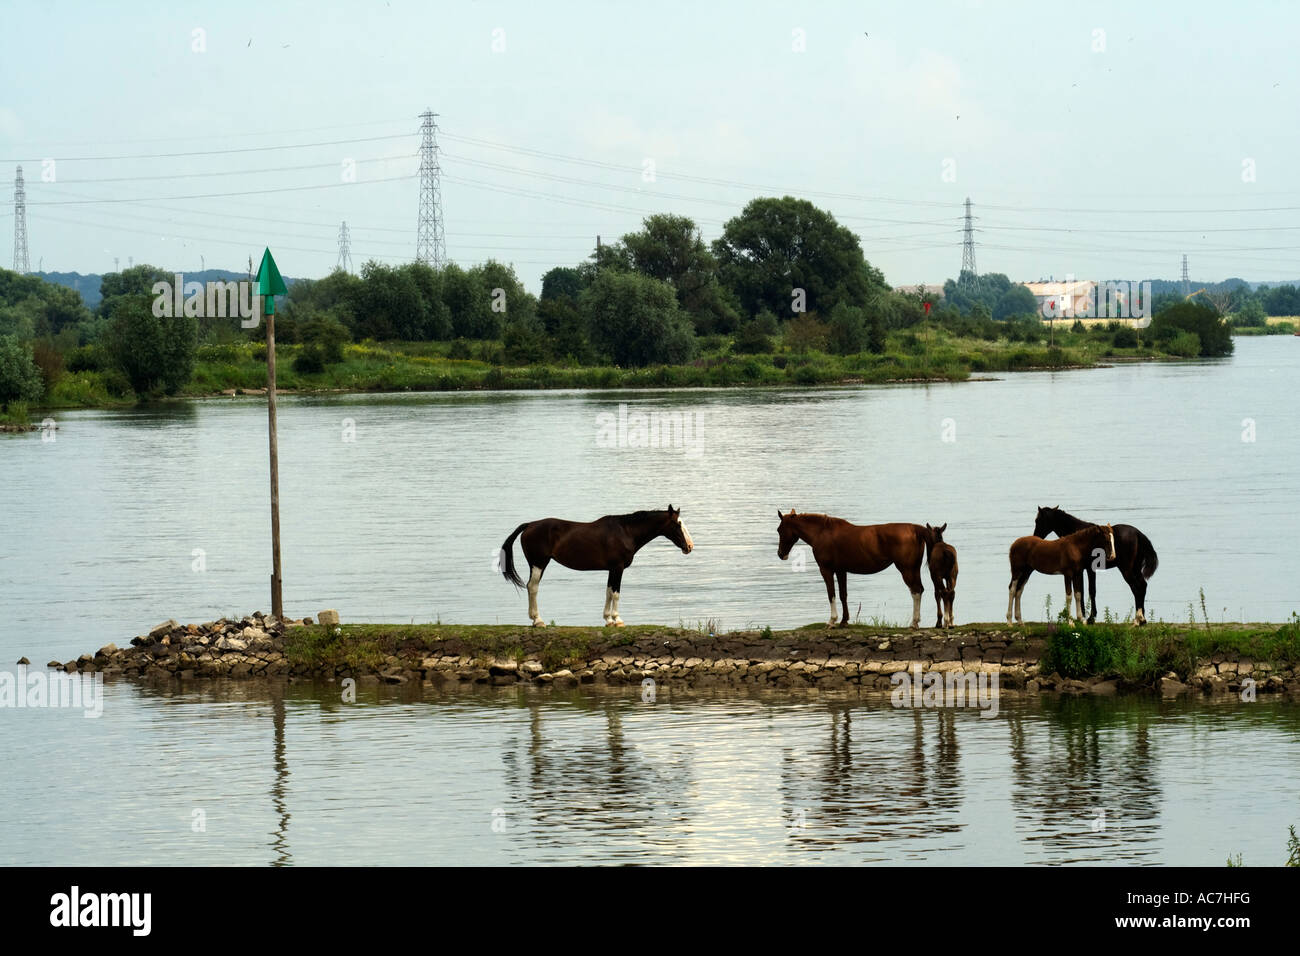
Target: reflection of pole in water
280 840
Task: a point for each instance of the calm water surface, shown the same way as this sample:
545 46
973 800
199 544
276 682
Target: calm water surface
133 516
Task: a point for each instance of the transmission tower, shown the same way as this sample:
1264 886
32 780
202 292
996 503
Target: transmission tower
345 248
22 265
430 247
1187 285
969 278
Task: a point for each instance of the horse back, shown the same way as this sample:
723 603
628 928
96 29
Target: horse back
869 548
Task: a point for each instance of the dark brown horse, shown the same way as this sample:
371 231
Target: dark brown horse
1135 556
606 544
1067 556
943 574
840 548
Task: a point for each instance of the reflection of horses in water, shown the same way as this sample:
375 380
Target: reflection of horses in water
943 574
1067 556
841 548
606 544
1134 555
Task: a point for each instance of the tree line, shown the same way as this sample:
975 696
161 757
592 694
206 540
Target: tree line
782 268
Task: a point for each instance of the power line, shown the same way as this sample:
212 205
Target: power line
218 152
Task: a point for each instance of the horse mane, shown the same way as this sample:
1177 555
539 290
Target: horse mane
1086 529
641 515
822 519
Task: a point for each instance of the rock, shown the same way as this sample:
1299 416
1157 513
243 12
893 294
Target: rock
306 621
57 664
251 634
1171 688
23 662
1105 688
231 644
328 618
1032 686
161 629
106 650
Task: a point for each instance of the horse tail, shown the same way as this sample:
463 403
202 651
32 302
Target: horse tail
508 550
1147 553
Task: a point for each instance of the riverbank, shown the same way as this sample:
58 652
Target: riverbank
1038 658
923 354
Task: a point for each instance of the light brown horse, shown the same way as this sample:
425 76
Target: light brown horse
606 544
840 548
1070 556
943 574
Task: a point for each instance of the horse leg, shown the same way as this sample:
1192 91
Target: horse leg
844 596
949 595
1018 581
535 572
829 577
611 597
1138 585
1069 599
1011 595
912 578
1092 590
938 601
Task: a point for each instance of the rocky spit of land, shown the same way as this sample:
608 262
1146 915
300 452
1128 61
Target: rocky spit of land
260 646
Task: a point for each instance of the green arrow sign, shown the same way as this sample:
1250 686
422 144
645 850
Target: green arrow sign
269 283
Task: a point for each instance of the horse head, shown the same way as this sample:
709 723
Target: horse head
675 530
787 533
1045 522
936 533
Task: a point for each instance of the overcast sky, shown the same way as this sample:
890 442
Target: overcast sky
1099 140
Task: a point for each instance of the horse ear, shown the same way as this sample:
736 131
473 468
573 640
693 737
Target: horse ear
943 527
927 526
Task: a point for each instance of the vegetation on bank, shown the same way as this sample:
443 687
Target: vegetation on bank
1135 655
1141 655
783 296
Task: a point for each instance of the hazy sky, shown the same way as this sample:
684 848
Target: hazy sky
1102 140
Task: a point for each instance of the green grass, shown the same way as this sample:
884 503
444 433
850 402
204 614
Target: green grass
925 353
1141 655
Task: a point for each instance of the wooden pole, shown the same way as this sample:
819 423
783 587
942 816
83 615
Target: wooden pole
277 602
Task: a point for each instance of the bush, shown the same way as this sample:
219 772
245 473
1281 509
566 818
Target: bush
155 353
50 362
20 379
1186 344
459 350
635 320
87 358
309 361
1125 338
805 333
751 340
1214 335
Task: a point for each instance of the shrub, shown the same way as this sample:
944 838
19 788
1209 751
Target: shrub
459 350
1213 334
155 353
1125 338
309 361
87 358
20 379
1186 344
751 340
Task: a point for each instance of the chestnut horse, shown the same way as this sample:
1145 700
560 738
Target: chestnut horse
943 572
1135 556
606 544
1068 556
840 547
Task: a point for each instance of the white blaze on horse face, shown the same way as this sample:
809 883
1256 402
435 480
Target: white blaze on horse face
690 545
534 576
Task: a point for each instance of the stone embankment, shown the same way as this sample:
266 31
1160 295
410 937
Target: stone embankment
260 646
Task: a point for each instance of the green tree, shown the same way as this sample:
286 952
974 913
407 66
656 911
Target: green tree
669 248
562 282
156 354
20 379
1015 300
776 246
635 320
469 304
1214 333
137 280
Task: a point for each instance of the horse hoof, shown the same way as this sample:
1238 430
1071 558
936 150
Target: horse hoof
619 623
538 623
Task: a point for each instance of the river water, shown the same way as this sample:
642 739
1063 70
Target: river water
393 508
